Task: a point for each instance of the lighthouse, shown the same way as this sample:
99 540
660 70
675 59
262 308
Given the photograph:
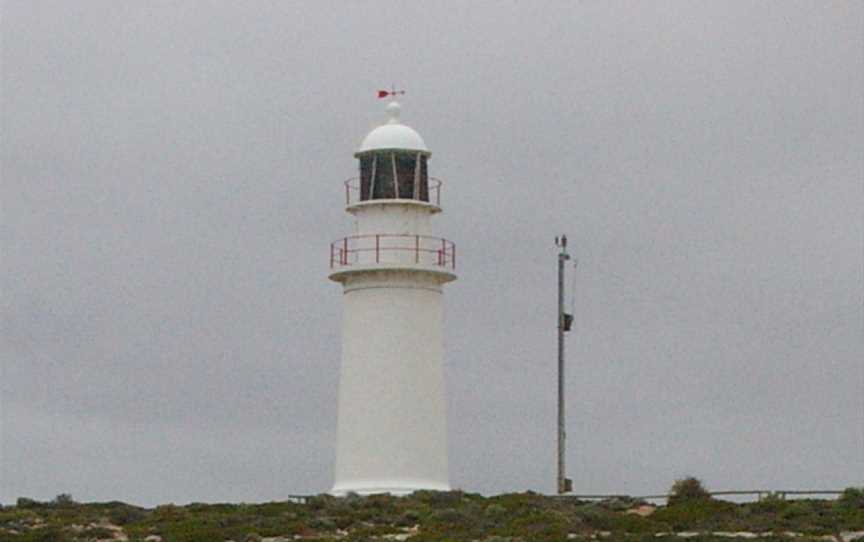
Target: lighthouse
392 428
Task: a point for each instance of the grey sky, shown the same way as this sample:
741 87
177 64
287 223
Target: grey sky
171 179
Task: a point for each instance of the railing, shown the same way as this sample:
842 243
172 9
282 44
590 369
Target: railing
392 249
352 192
758 493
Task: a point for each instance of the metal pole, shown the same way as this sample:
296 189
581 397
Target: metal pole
562 258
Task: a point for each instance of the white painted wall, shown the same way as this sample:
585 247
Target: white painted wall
393 216
392 433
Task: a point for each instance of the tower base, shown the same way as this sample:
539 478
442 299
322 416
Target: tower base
398 488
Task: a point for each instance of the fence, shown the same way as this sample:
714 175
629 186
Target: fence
758 493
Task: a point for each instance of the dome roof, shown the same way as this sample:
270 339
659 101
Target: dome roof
393 135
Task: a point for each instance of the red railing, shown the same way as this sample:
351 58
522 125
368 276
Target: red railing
392 248
352 192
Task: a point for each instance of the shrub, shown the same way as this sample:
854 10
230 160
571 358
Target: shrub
48 534
697 514
25 503
321 502
99 533
619 504
441 499
63 500
408 518
687 489
796 509
126 514
853 496
323 523
495 510
449 516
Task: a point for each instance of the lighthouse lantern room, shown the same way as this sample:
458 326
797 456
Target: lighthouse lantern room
392 431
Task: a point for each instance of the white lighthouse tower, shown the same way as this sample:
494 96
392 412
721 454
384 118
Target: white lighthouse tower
392 430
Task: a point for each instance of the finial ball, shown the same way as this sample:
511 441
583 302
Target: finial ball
393 110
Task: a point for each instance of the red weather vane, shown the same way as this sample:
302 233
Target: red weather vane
391 92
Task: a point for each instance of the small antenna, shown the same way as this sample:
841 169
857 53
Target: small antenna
561 242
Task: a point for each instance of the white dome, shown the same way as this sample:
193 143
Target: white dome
393 135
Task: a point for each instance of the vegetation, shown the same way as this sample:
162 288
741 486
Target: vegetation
429 516
687 489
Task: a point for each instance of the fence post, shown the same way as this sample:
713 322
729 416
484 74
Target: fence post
377 245
345 251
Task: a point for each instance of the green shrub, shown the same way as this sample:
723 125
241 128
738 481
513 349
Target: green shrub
320 502
853 496
408 518
772 503
619 504
126 514
687 489
539 525
99 532
63 500
323 523
48 534
696 514
796 509
438 499
495 511
27 504
449 516
596 517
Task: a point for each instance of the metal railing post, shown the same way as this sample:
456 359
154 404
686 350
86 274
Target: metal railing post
345 251
377 247
416 249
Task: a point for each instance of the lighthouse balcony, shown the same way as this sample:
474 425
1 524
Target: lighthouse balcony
392 251
408 189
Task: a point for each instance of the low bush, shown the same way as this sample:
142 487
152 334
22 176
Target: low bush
687 489
696 514
126 514
63 500
28 504
853 496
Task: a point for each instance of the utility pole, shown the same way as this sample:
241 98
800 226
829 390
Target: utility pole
564 322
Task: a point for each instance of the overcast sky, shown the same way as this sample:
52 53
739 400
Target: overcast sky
172 177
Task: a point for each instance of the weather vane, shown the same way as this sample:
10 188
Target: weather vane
391 92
